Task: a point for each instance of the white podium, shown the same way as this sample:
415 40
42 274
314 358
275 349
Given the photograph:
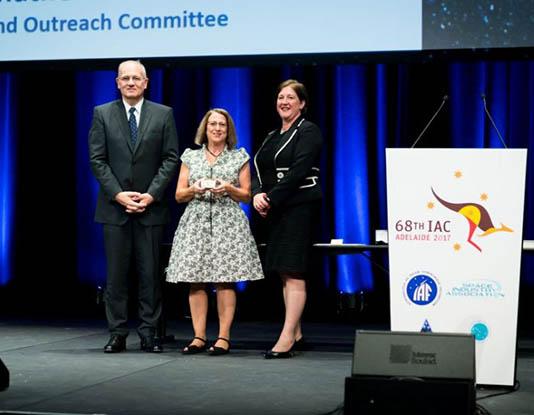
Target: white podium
455 220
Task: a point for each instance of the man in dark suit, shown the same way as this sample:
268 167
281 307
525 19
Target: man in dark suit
133 154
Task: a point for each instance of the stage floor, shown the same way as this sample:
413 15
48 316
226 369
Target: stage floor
59 367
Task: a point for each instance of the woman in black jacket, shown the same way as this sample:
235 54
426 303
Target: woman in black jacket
286 194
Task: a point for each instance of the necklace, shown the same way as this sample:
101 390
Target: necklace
213 154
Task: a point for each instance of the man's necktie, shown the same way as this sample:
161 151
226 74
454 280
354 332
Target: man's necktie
133 126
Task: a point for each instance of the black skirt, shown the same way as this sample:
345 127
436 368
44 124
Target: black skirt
290 234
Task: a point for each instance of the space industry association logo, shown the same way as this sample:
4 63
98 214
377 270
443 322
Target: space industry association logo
421 288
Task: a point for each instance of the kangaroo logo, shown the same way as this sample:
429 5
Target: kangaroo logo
477 216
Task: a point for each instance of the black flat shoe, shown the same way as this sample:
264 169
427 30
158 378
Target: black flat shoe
194 349
269 354
218 351
116 344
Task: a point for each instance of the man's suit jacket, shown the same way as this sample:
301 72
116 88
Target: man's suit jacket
146 168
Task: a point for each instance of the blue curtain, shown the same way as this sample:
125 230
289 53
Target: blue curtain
350 173
7 174
381 143
92 88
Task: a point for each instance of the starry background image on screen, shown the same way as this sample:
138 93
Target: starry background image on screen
460 24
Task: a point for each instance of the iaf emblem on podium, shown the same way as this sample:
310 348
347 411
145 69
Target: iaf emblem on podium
421 289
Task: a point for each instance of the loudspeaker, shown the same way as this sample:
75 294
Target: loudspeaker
4 376
411 373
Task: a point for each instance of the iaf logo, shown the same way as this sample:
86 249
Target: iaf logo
422 288
480 331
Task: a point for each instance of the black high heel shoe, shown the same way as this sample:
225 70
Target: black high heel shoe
300 345
271 354
194 349
219 351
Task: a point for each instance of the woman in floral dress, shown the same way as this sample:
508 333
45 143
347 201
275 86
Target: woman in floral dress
213 242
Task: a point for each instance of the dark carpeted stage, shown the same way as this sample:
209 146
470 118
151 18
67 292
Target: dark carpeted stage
59 367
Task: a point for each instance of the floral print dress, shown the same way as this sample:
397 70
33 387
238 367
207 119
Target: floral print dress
213 242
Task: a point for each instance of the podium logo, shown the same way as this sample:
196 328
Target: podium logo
480 331
477 217
477 289
426 327
404 353
400 353
421 289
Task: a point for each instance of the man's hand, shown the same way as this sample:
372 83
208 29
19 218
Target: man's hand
134 202
145 199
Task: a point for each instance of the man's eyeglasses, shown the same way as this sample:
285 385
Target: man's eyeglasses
135 79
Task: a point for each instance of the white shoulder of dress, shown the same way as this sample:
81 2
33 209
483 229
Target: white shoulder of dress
241 151
192 150
188 154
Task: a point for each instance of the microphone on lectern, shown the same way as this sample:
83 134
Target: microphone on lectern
483 96
443 101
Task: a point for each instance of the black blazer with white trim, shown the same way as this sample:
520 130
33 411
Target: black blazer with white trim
297 166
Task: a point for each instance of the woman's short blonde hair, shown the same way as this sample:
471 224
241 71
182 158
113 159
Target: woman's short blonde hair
231 136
